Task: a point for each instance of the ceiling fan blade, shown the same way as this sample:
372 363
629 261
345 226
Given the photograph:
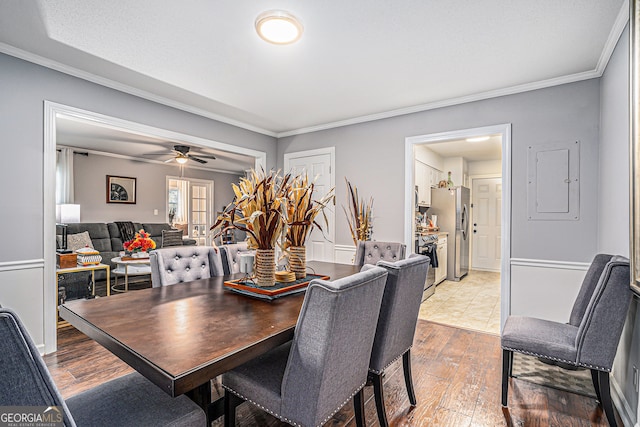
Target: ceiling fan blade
195 159
170 160
157 154
205 156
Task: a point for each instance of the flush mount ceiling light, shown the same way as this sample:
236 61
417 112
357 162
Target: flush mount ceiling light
478 139
278 27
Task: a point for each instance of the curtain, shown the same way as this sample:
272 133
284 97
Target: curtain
64 176
182 213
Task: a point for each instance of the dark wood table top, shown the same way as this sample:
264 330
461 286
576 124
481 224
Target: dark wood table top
181 336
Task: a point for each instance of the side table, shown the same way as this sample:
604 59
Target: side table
126 268
80 269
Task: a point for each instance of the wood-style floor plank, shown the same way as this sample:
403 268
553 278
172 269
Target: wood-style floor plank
456 377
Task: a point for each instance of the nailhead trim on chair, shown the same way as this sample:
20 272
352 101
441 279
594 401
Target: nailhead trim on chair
584 365
390 363
285 419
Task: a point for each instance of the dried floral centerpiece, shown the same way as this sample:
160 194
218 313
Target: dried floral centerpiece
302 211
140 245
358 215
258 208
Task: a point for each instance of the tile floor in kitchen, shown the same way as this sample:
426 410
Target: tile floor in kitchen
472 303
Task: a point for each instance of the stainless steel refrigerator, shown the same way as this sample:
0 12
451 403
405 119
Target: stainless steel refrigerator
452 208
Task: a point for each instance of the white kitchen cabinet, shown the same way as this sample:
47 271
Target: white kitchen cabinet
423 182
441 252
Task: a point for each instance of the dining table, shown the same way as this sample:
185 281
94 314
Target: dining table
180 337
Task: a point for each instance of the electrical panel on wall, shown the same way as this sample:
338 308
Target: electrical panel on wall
553 181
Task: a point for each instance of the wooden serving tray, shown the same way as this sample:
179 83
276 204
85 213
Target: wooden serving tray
247 287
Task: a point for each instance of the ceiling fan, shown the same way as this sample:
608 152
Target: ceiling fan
181 154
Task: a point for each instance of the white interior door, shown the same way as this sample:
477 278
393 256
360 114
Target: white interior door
319 166
487 199
201 200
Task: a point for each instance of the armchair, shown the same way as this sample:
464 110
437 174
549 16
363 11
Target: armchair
126 401
230 256
370 252
184 264
306 381
397 324
591 337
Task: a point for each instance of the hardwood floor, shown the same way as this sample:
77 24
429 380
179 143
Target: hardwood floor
456 376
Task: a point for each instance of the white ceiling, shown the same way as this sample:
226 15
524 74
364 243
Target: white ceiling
490 149
94 138
357 60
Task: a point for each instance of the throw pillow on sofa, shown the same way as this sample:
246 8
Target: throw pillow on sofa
171 238
79 241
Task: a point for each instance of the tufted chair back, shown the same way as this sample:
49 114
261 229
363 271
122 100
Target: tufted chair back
370 252
184 264
231 256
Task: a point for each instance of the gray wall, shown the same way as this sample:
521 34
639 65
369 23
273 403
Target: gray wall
371 155
613 200
24 86
90 188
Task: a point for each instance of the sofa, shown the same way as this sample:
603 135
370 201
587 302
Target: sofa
105 238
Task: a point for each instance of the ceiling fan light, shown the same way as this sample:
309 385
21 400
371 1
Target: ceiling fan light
278 27
181 160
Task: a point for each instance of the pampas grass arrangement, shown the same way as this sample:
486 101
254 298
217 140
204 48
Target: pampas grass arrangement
358 215
258 208
303 209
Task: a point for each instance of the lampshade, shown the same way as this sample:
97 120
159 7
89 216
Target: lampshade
182 160
67 214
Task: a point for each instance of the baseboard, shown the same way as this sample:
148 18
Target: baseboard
621 404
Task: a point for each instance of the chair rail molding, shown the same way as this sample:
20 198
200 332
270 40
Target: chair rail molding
344 254
543 263
22 265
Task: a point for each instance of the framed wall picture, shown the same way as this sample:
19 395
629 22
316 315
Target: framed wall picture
121 189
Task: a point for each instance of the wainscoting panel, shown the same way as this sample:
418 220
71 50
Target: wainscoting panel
545 289
344 254
21 289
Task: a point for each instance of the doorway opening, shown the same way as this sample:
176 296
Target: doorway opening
472 277
108 134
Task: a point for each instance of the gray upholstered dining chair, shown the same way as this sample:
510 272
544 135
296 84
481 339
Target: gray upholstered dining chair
591 337
130 400
307 380
370 252
397 324
230 256
184 264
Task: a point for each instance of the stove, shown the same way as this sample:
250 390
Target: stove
426 244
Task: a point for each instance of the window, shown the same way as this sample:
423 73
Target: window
189 207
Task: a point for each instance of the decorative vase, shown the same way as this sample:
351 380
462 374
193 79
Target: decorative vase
298 261
265 267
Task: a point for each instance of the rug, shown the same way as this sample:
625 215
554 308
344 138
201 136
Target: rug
529 368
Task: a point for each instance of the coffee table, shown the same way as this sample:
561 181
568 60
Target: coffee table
126 268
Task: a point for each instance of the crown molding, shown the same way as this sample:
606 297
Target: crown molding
448 102
614 36
605 56
102 81
609 47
